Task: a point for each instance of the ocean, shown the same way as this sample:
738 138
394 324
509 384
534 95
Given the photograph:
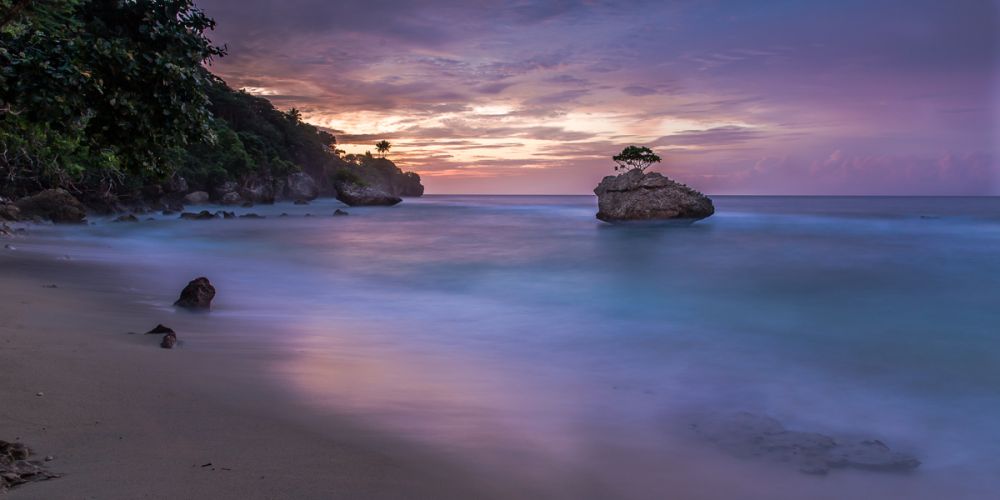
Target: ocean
523 337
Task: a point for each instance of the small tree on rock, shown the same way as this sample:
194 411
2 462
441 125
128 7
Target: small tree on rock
635 158
383 147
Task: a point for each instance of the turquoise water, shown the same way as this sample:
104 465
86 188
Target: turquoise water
519 332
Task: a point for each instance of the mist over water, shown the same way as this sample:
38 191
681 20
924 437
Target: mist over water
519 332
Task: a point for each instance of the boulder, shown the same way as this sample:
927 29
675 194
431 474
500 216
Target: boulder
751 436
355 195
56 205
301 186
258 191
198 294
196 198
301 202
169 340
338 212
231 198
10 212
638 196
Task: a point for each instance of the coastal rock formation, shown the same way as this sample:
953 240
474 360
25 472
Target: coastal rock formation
747 435
56 205
338 212
383 174
203 215
196 198
638 196
9 212
301 186
158 329
16 469
126 218
355 194
260 190
198 294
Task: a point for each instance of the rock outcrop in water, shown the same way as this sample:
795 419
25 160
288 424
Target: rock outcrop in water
16 469
56 205
355 194
747 435
198 295
638 196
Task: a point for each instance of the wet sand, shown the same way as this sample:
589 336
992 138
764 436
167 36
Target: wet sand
124 418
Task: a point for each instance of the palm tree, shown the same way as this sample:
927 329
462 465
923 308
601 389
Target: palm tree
383 147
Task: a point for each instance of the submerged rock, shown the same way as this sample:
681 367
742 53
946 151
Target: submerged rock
752 436
126 218
203 215
339 212
301 202
16 469
355 194
198 294
56 205
638 196
251 216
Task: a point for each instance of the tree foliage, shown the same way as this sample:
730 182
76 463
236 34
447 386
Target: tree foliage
383 147
635 158
117 79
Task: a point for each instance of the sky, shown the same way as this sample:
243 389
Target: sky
793 97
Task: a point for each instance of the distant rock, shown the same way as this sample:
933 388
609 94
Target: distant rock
301 202
355 194
198 294
339 212
231 198
56 205
126 218
196 198
638 196
752 436
301 186
203 215
225 215
258 190
251 216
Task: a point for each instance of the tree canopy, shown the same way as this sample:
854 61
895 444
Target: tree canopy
101 85
635 158
383 147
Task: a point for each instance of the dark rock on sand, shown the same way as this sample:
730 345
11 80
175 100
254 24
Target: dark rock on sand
127 218
203 215
301 186
198 294
16 469
747 435
638 196
56 205
339 212
355 194
169 340
160 329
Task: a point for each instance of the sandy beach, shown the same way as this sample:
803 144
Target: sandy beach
123 418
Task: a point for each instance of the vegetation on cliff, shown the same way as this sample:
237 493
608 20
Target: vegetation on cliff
111 100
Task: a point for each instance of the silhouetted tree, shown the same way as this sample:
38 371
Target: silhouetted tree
383 147
635 158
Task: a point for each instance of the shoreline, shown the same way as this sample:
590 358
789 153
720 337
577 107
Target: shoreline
124 418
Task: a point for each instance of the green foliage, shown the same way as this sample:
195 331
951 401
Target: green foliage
119 80
635 158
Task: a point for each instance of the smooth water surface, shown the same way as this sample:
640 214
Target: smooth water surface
520 334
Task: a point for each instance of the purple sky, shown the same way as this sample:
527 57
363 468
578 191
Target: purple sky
762 97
